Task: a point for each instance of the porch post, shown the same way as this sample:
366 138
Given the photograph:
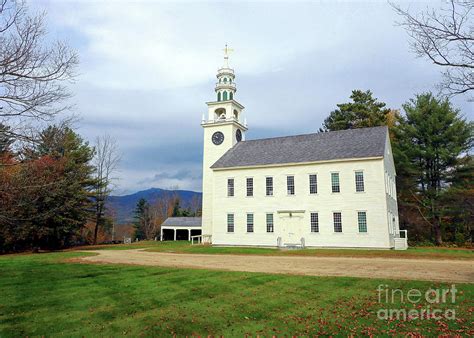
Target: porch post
161 234
174 234
189 234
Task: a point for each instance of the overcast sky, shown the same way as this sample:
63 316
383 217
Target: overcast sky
148 67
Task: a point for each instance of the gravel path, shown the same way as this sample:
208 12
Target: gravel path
420 269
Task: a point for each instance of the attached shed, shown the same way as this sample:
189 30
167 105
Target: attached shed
180 228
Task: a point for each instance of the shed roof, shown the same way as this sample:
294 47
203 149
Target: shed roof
182 222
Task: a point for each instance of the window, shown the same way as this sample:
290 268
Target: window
314 222
335 182
230 222
290 185
224 97
231 96
219 96
249 186
230 187
359 179
249 222
313 184
362 220
269 186
269 222
337 221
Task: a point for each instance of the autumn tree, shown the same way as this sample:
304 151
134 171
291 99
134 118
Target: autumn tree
45 198
445 37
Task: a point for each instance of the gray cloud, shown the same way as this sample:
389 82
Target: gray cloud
148 68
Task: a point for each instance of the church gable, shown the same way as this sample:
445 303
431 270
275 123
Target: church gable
336 145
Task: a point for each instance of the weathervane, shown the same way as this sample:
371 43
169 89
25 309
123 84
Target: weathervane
227 51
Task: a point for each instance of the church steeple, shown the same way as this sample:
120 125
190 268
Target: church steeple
224 126
225 86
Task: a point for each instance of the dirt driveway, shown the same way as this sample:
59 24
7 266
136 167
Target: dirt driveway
421 269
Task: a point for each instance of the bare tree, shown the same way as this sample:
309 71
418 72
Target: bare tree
33 72
446 38
106 161
161 209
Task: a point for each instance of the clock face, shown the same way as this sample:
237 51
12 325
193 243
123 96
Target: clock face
238 135
217 138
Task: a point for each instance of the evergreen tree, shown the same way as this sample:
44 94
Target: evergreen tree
363 111
142 218
69 196
429 143
176 208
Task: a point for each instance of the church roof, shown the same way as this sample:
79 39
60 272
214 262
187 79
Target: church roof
182 221
335 145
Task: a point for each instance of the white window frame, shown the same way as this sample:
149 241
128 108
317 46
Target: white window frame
229 225
247 187
315 183
356 182
250 226
289 191
311 222
338 182
272 186
366 222
229 188
334 221
270 226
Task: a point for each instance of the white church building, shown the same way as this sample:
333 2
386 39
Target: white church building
334 189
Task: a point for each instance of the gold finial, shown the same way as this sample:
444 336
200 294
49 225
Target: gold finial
227 51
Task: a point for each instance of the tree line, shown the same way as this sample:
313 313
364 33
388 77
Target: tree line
53 184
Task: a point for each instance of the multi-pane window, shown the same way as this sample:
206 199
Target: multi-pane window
362 220
359 179
230 187
249 222
230 222
337 221
313 184
314 222
249 186
269 222
335 182
290 185
269 186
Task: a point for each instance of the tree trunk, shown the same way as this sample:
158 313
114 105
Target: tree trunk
98 217
437 231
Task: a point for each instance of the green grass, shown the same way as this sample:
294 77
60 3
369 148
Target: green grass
43 295
185 247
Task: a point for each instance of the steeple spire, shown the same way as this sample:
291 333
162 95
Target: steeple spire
225 86
227 51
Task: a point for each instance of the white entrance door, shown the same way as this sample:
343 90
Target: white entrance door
291 229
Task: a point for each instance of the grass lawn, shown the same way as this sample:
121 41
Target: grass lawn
185 247
43 295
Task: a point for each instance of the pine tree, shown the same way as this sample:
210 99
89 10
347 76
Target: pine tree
429 143
142 218
363 111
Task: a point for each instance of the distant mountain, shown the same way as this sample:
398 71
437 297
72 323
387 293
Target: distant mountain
124 206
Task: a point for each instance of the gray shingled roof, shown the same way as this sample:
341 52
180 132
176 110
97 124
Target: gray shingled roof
344 144
182 222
